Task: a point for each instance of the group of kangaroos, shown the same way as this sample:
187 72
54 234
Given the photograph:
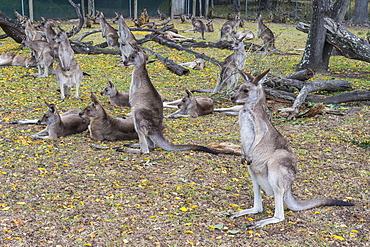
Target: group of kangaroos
269 158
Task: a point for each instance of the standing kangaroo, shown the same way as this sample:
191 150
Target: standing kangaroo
68 72
105 127
229 74
198 26
43 54
108 32
271 162
229 27
61 125
127 38
265 34
147 108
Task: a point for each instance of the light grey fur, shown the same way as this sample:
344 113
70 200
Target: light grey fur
271 162
61 125
116 98
108 32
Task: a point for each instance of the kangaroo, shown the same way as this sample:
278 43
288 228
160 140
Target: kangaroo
229 75
265 34
116 98
125 35
43 54
147 108
105 127
68 72
61 125
209 26
198 26
271 162
162 16
197 64
12 59
30 31
229 27
193 106
47 25
108 32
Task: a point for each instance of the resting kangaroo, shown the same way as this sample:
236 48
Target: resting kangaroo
116 98
193 106
61 125
12 59
147 108
105 127
271 162
108 32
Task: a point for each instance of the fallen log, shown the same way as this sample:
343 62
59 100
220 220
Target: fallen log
313 86
175 68
301 75
12 28
349 45
88 48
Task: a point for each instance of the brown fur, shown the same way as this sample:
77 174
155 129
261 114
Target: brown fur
116 98
12 59
108 32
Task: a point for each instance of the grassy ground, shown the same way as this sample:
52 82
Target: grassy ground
67 193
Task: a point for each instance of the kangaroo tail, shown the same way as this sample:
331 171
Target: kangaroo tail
168 146
297 205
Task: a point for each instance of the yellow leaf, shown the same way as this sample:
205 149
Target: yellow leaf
21 203
6 208
337 237
191 232
184 209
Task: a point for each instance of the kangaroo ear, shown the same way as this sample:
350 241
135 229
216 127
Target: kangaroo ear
246 76
188 93
110 83
94 98
260 79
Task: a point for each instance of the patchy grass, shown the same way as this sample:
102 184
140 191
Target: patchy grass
66 193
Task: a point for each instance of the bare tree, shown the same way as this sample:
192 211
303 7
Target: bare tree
360 14
317 51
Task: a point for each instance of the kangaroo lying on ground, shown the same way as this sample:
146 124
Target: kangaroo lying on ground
61 125
116 98
147 109
12 59
105 127
271 162
193 106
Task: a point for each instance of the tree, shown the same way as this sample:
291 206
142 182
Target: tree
317 51
360 14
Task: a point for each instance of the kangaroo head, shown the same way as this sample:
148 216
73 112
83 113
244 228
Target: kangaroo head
60 36
99 14
137 57
50 116
89 111
109 89
249 91
118 17
186 101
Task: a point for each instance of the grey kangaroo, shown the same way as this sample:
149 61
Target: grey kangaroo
68 72
147 108
108 32
13 59
193 106
229 27
61 125
43 54
229 74
103 126
125 35
265 34
198 26
271 162
116 98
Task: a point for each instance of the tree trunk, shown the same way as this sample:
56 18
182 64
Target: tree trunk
318 51
360 15
12 28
